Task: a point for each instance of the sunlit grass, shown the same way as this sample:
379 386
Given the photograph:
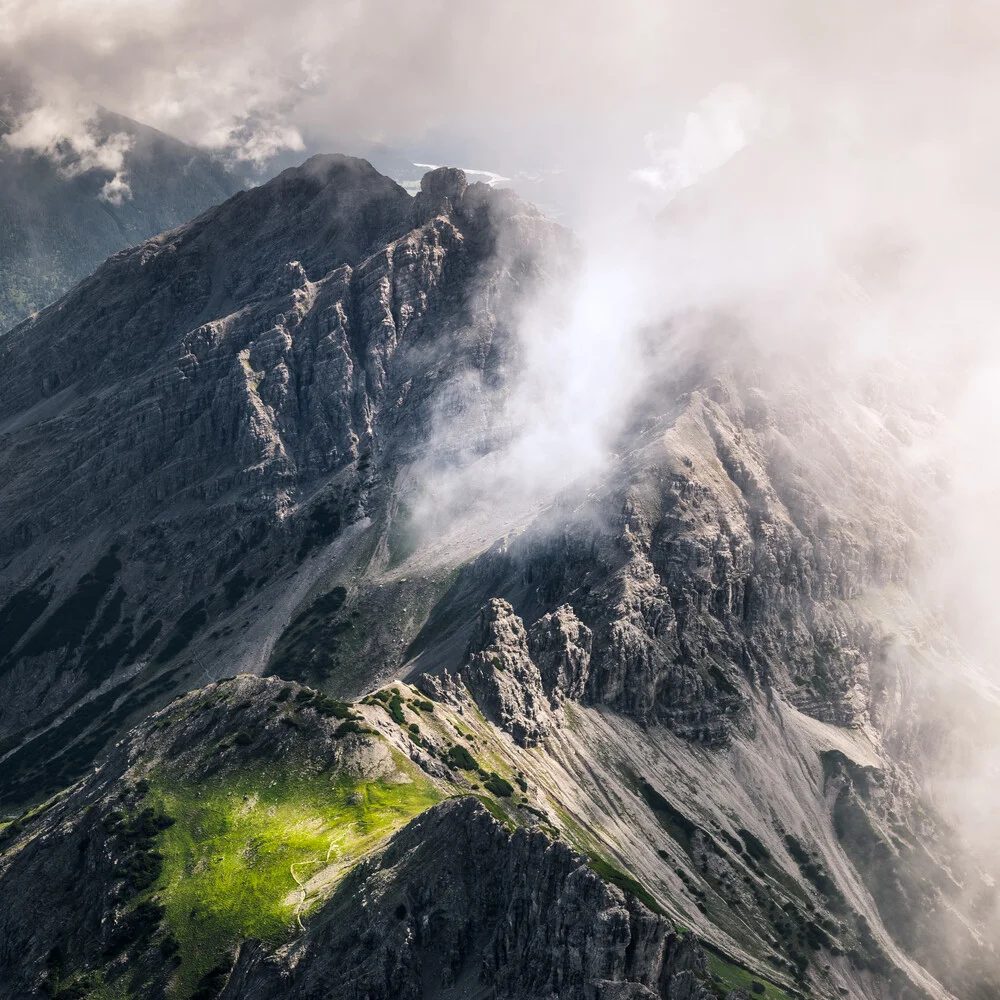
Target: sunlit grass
229 858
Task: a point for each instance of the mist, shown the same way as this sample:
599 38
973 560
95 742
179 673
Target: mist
821 178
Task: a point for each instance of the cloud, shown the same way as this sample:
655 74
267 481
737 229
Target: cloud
71 137
517 74
716 131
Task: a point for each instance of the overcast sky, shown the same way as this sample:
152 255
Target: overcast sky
518 83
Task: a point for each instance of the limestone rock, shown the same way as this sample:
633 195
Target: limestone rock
560 645
185 434
502 677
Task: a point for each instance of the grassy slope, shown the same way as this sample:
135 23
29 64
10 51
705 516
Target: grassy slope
228 859
733 977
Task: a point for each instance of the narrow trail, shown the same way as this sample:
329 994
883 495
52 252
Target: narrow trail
300 905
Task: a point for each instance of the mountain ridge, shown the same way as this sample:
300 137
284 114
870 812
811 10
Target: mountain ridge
705 663
55 228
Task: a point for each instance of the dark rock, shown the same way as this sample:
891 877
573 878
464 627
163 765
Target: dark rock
516 917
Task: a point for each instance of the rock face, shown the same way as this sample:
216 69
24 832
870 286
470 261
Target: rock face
719 558
520 678
455 905
501 675
560 644
209 410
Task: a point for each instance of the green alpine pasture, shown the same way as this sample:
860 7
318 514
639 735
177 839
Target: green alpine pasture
243 844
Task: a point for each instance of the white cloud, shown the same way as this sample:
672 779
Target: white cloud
69 135
721 126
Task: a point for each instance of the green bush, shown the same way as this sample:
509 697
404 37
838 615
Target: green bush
458 756
499 786
348 727
331 707
396 709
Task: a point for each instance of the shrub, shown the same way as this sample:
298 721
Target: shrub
754 847
458 756
499 786
331 707
396 709
348 727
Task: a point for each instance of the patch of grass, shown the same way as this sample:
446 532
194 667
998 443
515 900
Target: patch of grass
672 820
21 612
624 881
184 631
67 625
736 977
228 861
754 847
497 812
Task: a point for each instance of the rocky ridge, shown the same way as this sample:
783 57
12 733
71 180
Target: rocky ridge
453 903
699 663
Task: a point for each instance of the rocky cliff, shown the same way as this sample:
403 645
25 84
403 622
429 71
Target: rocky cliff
453 904
210 409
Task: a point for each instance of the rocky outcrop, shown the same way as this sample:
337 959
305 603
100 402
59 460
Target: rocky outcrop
724 558
455 904
502 677
560 644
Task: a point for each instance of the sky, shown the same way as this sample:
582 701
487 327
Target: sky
517 84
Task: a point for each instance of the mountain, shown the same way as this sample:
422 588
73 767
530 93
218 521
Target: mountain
55 228
661 732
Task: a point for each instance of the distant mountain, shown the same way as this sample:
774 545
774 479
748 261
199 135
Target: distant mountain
55 229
